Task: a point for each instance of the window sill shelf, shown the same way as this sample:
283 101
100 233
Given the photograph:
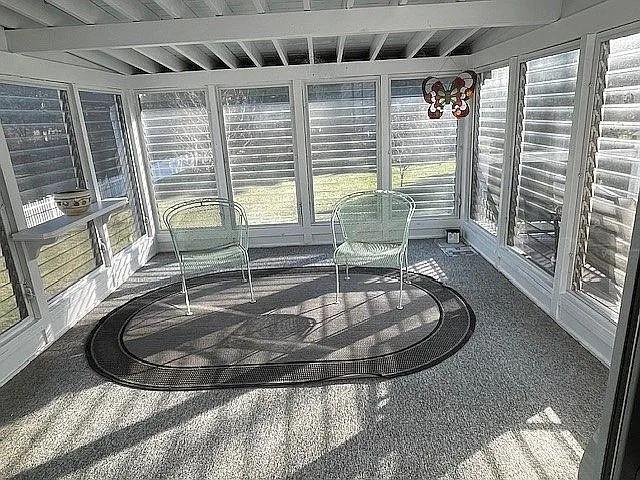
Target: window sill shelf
48 232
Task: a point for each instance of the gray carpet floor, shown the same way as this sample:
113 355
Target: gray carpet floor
519 401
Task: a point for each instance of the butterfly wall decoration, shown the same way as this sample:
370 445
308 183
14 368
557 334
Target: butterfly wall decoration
458 94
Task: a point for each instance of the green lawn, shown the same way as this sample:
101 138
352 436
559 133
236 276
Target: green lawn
276 203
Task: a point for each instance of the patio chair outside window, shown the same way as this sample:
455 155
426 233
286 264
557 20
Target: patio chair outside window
375 228
208 234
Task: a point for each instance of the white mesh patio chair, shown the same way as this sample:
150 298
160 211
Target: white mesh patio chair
209 234
375 231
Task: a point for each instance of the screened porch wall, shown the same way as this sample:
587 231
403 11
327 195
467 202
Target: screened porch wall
576 130
64 127
289 150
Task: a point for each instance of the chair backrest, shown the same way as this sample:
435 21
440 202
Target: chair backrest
379 216
206 224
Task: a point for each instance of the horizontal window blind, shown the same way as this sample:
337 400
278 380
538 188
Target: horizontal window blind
488 154
423 151
178 142
612 181
111 155
39 133
342 142
259 143
545 110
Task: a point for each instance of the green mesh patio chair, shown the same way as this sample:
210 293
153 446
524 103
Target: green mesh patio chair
208 234
375 229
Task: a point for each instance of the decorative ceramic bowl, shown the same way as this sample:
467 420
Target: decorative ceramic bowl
73 202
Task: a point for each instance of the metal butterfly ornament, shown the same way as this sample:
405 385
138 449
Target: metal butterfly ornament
458 95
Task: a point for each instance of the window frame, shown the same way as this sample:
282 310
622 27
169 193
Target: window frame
514 161
582 163
28 270
376 80
133 165
220 130
137 109
506 154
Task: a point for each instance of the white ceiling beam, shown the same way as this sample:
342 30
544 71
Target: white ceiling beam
3 40
347 4
195 55
376 45
86 12
69 59
131 9
175 8
315 23
261 6
403 2
282 51
11 19
312 57
306 5
163 57
223 53
253 53
38 11
135 58
107 61
454 40
417 42
219 7
340 48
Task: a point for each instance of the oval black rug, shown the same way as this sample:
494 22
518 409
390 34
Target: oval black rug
294 334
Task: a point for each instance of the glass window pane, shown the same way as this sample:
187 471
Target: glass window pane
488 155
178 142
342 142
542 151
111 154
612 181
37 126
259 137
423 151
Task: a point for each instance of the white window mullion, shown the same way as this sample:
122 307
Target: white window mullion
384 133
509 146
133 117
88 168
302 159
218 142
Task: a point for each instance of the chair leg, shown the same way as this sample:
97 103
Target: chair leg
406 268
253 298
244 277
186 296
337 284
346 277
400 307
